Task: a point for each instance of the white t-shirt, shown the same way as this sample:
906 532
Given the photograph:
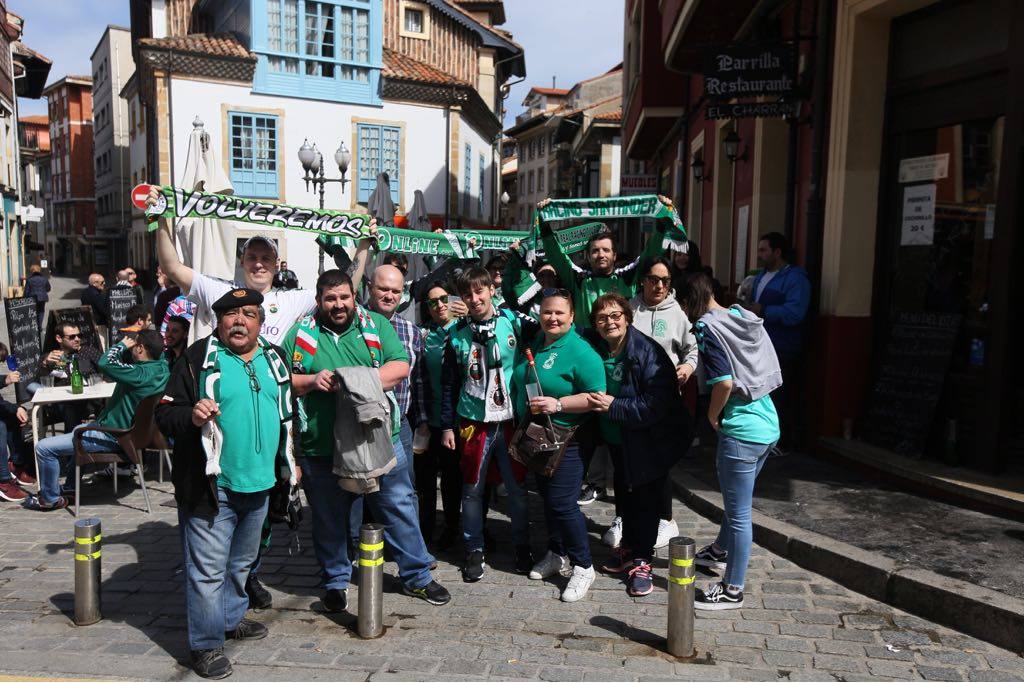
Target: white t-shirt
284 307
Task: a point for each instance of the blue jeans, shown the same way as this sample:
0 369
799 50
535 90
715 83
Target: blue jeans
56 453
356 513
472 494
394 506
8 451
738 463
218 551
567 527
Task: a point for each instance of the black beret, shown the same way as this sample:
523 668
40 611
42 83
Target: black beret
237 298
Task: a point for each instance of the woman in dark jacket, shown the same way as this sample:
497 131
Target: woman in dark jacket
645 425
38 285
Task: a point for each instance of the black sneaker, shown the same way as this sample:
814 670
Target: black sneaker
590 494
524 559
247 629
335 600
433 592
210 663
708 557
259 597
474 569
716 597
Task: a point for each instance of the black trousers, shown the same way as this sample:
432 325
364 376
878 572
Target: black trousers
787 399
427 465
640 507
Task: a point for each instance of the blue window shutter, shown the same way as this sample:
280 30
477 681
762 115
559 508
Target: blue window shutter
467 180
380 150
480 199
253 154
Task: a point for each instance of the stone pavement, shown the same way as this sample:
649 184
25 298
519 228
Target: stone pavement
795 625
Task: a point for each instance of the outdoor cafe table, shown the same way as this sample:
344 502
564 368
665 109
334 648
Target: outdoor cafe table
51 395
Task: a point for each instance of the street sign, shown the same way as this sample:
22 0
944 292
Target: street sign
638 184
753 110
749 70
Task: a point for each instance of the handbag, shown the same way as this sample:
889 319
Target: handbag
539 447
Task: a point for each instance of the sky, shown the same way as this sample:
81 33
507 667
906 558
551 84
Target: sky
569 40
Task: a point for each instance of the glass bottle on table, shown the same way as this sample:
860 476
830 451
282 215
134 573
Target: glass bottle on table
77 381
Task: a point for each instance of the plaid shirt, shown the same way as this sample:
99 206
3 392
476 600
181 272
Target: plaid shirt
411 392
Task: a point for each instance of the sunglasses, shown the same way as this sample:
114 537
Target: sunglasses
72 336
614 316
556 291
655 280
437 301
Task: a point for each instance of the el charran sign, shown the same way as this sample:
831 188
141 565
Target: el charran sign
748 71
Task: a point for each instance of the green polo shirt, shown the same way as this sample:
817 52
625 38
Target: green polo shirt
566 367
614 372
347 349
250 423
434 341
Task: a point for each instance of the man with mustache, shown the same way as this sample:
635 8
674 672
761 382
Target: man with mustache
344 334
228 408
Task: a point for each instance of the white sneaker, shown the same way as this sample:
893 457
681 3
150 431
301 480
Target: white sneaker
613 536
579 584
667 530
549 565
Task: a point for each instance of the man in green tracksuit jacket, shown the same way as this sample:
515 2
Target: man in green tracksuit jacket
586 284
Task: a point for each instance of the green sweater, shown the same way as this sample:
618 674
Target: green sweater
135 381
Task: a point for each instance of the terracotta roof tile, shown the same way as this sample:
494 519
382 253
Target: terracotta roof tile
609 116
217 45
549 91
404 68
35 119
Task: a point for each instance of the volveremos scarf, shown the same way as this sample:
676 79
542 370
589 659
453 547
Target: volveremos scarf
176 202
485 374
307 338
212 435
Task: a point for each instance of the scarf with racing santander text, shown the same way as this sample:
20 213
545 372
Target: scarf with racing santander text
348 226
307 338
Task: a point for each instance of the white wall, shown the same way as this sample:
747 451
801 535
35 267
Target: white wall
326 124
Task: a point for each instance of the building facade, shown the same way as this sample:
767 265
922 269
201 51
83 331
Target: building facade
112 67
412 89
72 246
140 246
892 165
36 193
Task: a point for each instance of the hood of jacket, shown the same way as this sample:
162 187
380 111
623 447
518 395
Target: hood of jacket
745 328
639 305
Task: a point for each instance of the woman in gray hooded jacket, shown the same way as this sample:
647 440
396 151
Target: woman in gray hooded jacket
658 315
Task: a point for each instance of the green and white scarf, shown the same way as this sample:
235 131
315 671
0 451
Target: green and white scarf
485 374
212 435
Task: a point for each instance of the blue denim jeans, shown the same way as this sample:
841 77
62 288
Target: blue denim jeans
394 506
356 513
567 527
472 494
56 453
218 551
738 463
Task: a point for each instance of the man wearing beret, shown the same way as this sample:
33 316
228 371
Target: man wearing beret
228 409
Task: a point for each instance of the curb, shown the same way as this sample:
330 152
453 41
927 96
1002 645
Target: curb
979 612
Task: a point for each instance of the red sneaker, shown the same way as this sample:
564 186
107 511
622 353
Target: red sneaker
24 477
9 490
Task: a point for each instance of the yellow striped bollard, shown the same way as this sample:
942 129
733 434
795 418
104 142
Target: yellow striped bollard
681 575
370 619
88 575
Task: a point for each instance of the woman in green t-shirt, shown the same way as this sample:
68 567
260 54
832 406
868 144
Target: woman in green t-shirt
568 370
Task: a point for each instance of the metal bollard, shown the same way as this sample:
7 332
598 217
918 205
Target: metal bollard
88 573
681 574
370 618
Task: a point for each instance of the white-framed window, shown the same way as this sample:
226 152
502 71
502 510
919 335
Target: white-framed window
415 19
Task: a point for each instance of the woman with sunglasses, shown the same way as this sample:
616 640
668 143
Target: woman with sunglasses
569 371
437 311
657 314
640 422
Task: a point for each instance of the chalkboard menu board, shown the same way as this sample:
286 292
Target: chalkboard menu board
914 365
121 300
23 330
80 317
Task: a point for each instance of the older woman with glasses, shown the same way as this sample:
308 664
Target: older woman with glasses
641 423
657 314
437 311
568 371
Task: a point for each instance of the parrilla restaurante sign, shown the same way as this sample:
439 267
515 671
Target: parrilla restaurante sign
749 70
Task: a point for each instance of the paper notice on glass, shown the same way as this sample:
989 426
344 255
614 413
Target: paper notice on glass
916 169
990 221
918 215
742 228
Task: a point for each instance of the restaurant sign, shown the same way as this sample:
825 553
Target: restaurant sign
753 110
737 71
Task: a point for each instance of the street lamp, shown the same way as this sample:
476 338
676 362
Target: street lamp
732 145
697 166
312 161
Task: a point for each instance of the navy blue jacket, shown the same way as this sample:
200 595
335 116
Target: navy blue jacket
38 285
656 426
784 303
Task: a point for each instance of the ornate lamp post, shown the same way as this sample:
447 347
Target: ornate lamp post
312 161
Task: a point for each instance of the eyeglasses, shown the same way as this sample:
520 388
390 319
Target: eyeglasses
614 316
655 280
437 301
254 382
555 291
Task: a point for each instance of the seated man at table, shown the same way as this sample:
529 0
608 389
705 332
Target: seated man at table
143 374
55 367
14 452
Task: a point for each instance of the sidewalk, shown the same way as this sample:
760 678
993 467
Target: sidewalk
796 625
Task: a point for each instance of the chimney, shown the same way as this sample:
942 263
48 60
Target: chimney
552 82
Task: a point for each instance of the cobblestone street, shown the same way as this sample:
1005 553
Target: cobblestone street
795 625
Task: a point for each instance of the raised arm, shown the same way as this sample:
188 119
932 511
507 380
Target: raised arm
166 254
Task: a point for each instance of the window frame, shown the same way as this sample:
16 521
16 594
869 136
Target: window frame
467 178
359 196
227 111
482 181
424 10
